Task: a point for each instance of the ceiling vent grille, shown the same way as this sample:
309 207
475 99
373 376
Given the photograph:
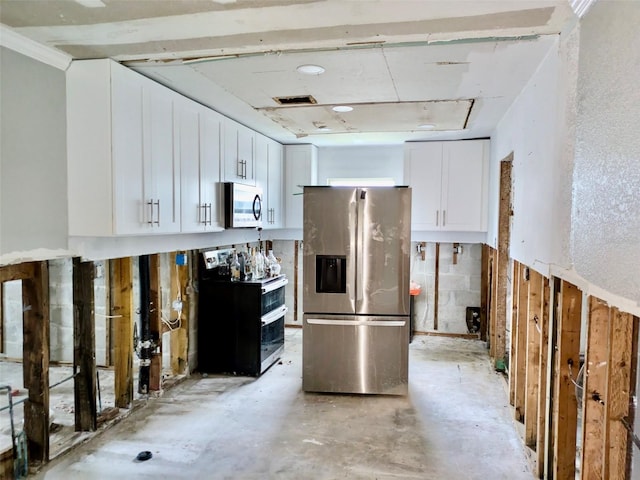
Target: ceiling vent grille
297 100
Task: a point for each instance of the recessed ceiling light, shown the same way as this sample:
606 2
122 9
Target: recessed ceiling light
324 129
91 3
310 69
342 108
427 126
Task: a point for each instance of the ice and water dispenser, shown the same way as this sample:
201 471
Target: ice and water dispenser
331 274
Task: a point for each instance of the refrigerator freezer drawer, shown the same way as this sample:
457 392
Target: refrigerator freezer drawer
355 354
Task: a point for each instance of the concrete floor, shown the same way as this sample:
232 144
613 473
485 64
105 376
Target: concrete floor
455 424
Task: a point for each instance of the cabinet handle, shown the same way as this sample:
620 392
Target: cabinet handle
201 207
437 217
209 206
444 218
150 204
153 204
244 169
158 205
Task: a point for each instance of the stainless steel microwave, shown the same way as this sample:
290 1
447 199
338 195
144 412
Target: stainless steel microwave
242 206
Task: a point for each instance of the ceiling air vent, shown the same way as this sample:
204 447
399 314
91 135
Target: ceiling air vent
297 100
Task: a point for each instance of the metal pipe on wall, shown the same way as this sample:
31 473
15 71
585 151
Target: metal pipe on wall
146 346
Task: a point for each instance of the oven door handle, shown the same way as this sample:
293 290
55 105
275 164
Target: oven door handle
274 285
273 315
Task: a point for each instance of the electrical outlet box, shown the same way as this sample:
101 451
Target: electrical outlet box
181 259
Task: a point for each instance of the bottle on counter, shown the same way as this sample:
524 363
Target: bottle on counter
247 266
273 265
235 268
257 264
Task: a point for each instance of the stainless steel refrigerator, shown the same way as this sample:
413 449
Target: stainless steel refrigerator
356 251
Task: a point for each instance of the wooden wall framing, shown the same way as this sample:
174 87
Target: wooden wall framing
607 391
35 300
121 278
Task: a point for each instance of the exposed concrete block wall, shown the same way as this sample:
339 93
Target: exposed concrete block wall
459 286
12 311
61 310
101 310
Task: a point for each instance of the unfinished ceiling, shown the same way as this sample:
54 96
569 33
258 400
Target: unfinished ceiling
409 69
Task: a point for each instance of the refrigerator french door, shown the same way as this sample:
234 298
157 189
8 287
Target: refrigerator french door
356 250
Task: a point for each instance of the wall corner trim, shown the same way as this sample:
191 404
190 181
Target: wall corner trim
11 39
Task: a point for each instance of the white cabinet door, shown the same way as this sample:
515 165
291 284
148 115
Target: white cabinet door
239 153
124 171
449 185
127 134
262 173
269 162
161 162
301 168
199 146
274 211
423 172
211 192
464 178
193 212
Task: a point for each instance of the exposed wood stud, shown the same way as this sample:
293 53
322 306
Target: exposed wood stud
534 331
84 341
543 371
35 297
514 331
619 396
505 212
553 376
520 366
631 415
174 335
492 305
109 323
484 291
21 271
180 336
122 311
595 385
436 287
565 407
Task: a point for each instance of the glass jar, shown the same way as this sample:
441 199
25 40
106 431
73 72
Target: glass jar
235 268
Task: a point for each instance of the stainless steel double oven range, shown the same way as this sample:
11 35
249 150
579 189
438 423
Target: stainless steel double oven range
241 324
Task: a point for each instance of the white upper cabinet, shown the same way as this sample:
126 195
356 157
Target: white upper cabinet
275 210
161 187
239 153
199 151
301 168
123 172
449 184
269 164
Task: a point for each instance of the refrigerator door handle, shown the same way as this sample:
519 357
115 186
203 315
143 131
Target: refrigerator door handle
366 323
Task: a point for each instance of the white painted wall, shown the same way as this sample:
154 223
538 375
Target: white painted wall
606 195
576 172
33 188
383 161
535 130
